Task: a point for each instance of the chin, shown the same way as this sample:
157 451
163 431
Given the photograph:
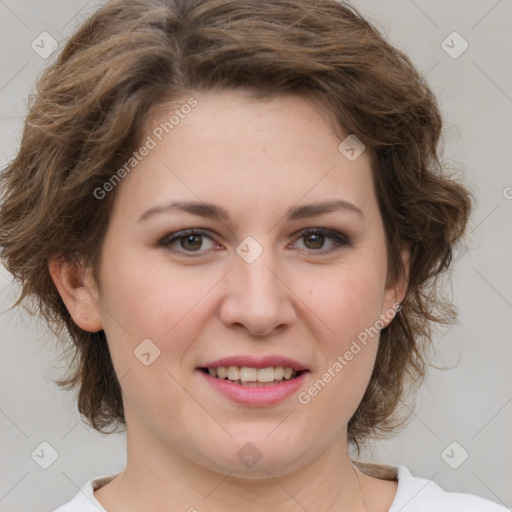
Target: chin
256 459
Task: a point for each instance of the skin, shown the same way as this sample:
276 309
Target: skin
255 158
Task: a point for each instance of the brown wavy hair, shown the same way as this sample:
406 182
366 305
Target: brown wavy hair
131 56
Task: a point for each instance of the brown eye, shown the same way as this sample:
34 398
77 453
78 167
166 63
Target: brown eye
316 240
190 241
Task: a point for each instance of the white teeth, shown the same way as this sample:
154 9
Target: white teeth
233 373
247 374
265 374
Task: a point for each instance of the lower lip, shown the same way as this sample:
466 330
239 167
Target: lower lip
256 395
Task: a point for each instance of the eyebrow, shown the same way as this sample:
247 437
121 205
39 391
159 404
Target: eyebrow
209 210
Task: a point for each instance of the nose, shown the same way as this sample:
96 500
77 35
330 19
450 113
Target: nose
257 297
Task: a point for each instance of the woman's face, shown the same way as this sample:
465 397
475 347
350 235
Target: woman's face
270 277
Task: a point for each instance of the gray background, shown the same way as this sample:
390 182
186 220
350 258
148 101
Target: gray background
469 404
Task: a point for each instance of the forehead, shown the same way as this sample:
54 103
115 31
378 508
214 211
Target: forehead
240 111
231 147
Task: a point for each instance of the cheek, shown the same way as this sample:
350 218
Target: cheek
163 304
348 304
347 299
157 302
152 299
333 394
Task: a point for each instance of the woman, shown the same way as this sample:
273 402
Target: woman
236 212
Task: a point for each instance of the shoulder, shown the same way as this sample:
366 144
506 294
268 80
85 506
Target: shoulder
416 494
84 500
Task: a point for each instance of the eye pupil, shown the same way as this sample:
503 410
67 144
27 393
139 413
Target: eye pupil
191 238
318 240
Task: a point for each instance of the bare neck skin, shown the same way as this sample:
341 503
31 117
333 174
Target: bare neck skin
168 481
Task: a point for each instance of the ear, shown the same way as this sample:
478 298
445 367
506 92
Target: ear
78 292
395 293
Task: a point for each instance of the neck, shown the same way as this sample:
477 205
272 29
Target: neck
157 479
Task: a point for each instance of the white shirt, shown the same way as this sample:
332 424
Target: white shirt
413 494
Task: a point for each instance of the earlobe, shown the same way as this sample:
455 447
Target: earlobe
75 286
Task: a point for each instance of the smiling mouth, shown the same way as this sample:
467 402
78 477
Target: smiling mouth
247 376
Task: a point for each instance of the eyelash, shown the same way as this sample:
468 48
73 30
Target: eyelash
339 239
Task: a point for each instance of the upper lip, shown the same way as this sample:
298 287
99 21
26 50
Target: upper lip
256 362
